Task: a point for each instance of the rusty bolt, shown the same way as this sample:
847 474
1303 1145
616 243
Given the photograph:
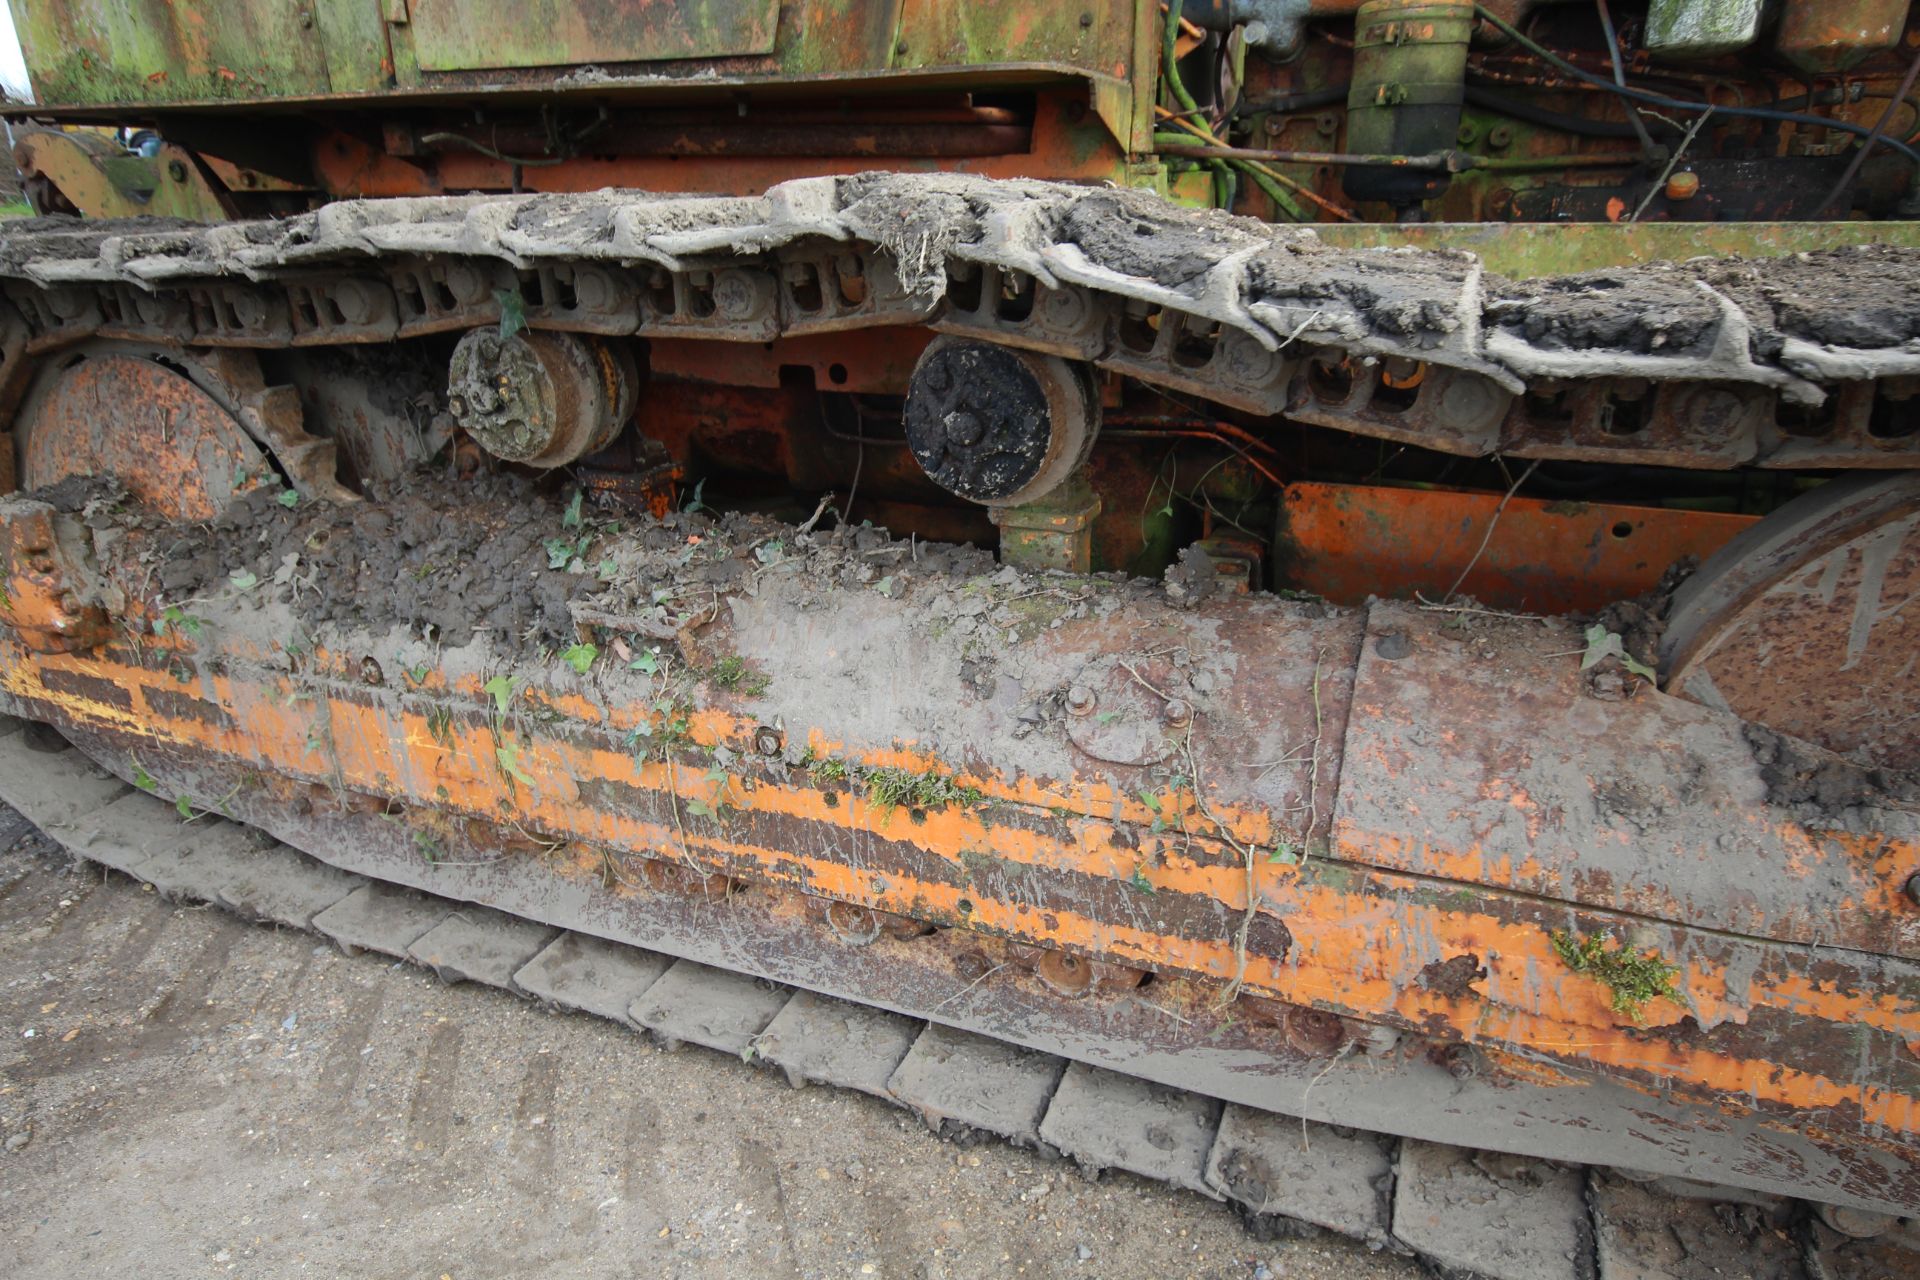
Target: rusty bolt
1392 645
768 740
1081 700
1500 135
1178 713
901 48
971 966
963 428
1273 126
1086 18
1458 1060
1861 1224
1913 889
370 671
176 171
1683 186
1327 124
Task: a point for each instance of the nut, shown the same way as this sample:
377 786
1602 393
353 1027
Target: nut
1081 700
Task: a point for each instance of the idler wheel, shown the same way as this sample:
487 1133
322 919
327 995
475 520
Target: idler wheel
543 399
998 426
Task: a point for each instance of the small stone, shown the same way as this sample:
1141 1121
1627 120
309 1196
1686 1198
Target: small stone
1081 1252
18 1141
1261 1271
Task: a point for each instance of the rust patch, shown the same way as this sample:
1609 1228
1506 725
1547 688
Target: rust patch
182 706
1453 977
80 685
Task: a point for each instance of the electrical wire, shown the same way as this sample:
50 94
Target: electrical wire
1683 104
1860 154
1297 188
1620 76
1225 171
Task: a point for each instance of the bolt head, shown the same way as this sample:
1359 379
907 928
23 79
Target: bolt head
1913 889
1178 713
964 429
1081 700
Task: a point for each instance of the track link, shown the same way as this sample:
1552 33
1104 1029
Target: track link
1789 363
1457 1209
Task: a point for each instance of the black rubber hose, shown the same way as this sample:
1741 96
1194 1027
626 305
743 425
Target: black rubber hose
1487 100
1683 104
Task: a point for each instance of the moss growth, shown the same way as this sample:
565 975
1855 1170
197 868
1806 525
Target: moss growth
889 789
1634 978
735 676
827 770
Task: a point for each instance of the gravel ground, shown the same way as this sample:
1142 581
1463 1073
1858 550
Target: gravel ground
183 1094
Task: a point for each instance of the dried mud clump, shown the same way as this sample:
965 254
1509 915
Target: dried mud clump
1798 773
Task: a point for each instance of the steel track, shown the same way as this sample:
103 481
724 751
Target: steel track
1764 363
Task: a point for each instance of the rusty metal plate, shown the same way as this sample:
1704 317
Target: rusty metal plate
1128 710
1347 542
1488 761
465 35
168 440
1811 625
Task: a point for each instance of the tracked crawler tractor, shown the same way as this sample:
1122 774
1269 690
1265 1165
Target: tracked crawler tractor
1407 724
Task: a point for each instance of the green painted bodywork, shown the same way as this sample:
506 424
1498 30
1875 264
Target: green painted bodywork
91 54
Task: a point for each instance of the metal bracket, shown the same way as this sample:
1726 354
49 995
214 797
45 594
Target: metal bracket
1054 532
46 590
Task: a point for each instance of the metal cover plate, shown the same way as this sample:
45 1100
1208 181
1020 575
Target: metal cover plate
465 35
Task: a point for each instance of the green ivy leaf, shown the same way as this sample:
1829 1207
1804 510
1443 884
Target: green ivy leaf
571 520
184 807
500 688
243 579
513 312
507 755
645 663
1603 644
580 657
289 498
142 779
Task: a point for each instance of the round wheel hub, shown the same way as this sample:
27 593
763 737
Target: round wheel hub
995 425
543 399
